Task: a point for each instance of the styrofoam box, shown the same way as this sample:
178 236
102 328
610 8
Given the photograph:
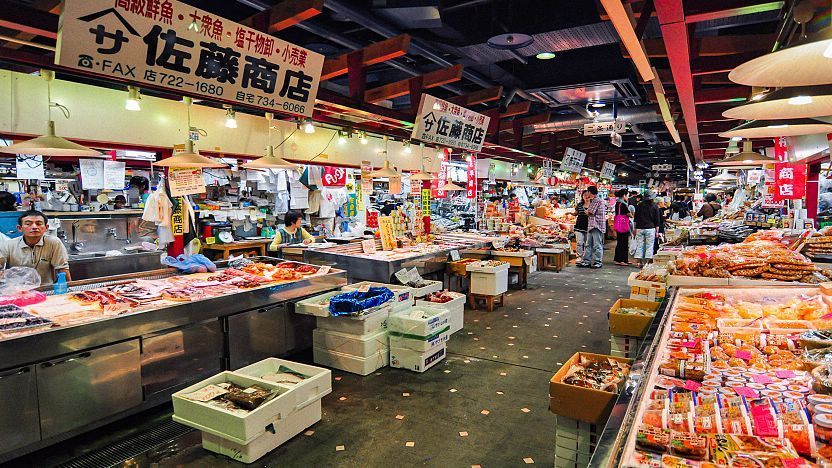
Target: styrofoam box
456 309
412 323
487 269
356 345
403 295
349 363
403 358
489 283
316 305
237 428
504 253
433 286
373 322
317 384
419 345
294 424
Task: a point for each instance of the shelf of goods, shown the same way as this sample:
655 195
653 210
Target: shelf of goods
724 379
114 347
380 266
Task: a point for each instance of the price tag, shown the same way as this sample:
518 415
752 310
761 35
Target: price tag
324 269
746 392
761 379
692 385
689 344
403 276
742 354
784 374
368 246
364 288
210 240
414 275
454 255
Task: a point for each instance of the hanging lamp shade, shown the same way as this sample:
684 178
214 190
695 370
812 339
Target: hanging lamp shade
50 145
270 161
723 176
189 158
778 128
386 171
806 63
422 175
787 103
747 157
452 187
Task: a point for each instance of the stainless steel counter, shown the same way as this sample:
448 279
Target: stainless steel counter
98 265
68 380
359 268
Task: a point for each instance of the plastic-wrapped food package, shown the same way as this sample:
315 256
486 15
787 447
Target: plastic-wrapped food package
16 285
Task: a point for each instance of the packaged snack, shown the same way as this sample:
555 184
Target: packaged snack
646 460
797 429
653 439
669 461
248 398
764 421
688 445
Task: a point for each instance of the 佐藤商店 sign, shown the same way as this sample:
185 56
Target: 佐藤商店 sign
176 46
448 124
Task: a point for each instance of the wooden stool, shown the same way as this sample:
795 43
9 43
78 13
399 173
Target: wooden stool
547 261
458 281
522 273
489 300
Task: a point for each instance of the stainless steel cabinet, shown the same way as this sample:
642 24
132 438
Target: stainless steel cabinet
175 358
19 423
257 334
84 387
299 330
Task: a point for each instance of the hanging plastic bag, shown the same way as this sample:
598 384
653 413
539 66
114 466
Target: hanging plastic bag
17 284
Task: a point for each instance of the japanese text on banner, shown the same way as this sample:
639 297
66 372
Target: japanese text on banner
176 46
448 124
789 181
471 184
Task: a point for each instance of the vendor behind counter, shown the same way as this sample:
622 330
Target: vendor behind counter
46 254
291 233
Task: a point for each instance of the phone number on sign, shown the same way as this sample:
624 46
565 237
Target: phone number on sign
266 101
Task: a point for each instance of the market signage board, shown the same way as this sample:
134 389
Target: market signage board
98 174
30 167
186 181
607 170
445 123
769 190
385 226
366 180
662 167
604 128
789 181
781 149
471 181
573 160
172 45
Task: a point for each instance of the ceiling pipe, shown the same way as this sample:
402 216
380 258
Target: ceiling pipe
633 115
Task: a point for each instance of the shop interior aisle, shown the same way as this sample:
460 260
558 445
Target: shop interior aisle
485 404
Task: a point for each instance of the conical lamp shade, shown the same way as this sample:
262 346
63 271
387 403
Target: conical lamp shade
386 171
189 158
803 64
452 187
270 161
787 103
50 145
422 175
745 158
778 128
724 176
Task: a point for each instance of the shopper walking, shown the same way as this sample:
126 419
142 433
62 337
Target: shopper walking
581 224
647 220
710 208
621 223
596 227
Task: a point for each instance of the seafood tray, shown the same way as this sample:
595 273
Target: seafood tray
14 319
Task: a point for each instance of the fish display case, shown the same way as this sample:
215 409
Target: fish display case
115 346
381 265
723 379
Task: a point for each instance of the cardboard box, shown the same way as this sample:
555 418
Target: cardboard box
646 290
584 404
631 325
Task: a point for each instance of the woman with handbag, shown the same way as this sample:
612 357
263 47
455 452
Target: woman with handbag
621 224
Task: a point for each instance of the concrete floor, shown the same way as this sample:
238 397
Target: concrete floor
493 386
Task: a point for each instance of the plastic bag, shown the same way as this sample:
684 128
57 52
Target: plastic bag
18 279
353 302
196 263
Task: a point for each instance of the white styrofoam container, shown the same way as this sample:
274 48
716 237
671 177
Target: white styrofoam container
356 345
403 295
420 345
349 363
237 428
489 283
373 322
412 322
417 361
504 253
294 424
456 308
432 286
317 384
317 305
475 267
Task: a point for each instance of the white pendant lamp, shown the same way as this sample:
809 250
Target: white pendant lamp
452 187
386 171
269 160
778 128
50 144
806 63
190 157
723 177
787 103
747 157
422 175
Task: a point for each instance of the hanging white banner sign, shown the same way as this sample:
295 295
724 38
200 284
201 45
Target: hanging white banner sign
448 124
573 160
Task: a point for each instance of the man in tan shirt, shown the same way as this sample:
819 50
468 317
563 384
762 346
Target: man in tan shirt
35 249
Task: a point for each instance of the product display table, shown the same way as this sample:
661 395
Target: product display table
261 245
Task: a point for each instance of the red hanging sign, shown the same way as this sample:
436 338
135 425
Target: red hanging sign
471 184
334 176
438 184
789 181
781 149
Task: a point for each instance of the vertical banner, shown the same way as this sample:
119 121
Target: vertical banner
385 226
789 181
471 183
440 181
769 190
366 180
781 149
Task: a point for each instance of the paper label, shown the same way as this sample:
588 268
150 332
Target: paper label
689 344
746 392
784 374
324 269
368 246
761 379
454 255
692 385
742 354
364 288
403 276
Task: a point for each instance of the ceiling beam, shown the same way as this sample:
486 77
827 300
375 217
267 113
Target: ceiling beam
719 64
28 20
721 95
712 46
400 88
712 114
373 54
507 125
284 15
675 36
708 10
478 97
